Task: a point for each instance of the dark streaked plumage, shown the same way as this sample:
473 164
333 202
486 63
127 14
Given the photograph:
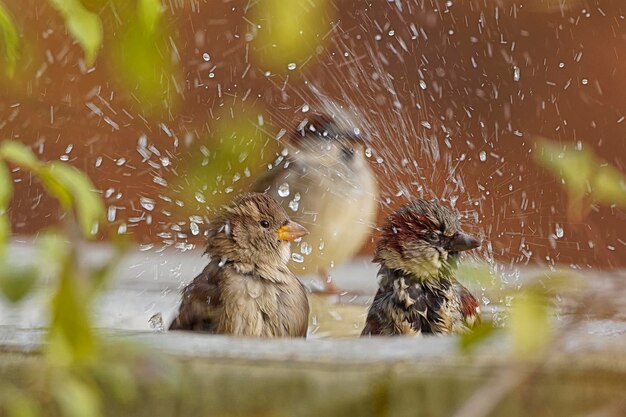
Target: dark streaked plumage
247 288
418 294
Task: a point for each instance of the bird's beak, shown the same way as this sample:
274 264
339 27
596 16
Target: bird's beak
291 231
462 241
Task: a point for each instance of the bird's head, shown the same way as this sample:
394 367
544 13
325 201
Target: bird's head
329 138
254 229
422 238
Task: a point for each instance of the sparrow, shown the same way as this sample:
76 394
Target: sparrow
418 294
247 288
324 181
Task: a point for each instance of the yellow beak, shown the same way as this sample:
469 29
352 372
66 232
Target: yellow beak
291 230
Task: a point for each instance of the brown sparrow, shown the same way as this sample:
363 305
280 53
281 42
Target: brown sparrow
325 183
417 253
247 288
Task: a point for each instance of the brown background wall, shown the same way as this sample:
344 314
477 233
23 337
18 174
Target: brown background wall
436 85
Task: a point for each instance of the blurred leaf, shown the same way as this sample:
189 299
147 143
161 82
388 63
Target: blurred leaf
583 175
221 162
609 186
117 378
10 40
16 282
83 25
77 398
149 12
88 204
71 337
289 31
17 403
475 271
6 186
147 68
530 324
19 154
481 332
5 231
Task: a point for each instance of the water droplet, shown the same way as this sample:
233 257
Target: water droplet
305 108
423 84
516 73
111 213
294 205
156 322
559 231
296 257
368 152
206 57
200 198
147 203
211 75
305 248
283 189
584 81
291 66
483 156
195 230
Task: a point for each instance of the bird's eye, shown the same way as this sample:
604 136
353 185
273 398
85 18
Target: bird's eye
432 237
264 223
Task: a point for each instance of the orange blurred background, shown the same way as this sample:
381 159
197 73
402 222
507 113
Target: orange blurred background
453 95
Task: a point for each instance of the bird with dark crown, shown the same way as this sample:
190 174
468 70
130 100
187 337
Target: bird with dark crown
418 249
247 288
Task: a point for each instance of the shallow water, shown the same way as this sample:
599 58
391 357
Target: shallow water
149 283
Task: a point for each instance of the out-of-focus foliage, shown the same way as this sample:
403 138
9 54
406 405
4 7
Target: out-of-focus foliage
287 33
79 368
10 41
530 320
586 178
72 188
149 12
223 161
141 56
83 25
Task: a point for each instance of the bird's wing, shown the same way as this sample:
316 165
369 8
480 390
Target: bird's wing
470 308
375 323
200 306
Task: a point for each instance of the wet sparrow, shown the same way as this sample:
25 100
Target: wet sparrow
326 183
247 288
417 253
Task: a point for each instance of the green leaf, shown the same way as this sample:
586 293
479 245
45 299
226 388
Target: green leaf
479 333
475 271
17 403
77 398
609 186
6 187
10 39
87 202
149 12
530 323
19 154
71 337
83 25
17 282
5 231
